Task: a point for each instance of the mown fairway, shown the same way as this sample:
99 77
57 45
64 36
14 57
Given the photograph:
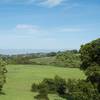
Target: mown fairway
21 77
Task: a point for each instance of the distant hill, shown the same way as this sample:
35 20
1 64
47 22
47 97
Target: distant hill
22 51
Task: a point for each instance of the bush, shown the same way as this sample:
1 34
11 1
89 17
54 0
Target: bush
60 85
34 87
81 90
43 92
70 90
51 86
56 85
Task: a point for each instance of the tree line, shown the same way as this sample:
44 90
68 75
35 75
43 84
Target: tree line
68 58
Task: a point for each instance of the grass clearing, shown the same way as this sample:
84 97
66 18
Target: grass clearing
21 77
44 60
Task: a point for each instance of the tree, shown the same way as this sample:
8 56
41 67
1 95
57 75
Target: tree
68 59
90 54
43 92
48 85
90 57
51 54
2 74
60 85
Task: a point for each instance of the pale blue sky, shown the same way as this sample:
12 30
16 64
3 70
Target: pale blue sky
48 24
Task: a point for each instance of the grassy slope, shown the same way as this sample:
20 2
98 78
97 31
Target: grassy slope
72 60
44 60
20 78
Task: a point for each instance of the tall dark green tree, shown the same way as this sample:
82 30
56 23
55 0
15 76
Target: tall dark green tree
90 57
90 54
2 74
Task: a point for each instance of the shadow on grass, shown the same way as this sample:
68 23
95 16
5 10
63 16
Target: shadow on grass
2 93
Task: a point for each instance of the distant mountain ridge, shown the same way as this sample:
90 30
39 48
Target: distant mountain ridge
22 51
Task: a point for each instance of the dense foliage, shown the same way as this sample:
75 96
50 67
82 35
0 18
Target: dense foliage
81 90
90 54
2 74
56 85
70 90
90 57
68 59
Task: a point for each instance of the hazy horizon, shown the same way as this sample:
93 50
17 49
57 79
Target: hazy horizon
28 51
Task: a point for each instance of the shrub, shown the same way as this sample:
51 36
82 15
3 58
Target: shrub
56 85
81 90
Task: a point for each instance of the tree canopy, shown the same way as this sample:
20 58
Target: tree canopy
2 73
90 54
90 57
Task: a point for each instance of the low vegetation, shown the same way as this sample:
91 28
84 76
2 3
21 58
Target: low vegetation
69 90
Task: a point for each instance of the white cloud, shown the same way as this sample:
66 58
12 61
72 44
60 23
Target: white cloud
29 30
46 3
42 2
32 28
50 3
39 32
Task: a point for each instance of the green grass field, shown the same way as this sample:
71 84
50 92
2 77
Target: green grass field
21 77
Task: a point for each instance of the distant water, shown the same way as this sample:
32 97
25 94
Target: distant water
22 51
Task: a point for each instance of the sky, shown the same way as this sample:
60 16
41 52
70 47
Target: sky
48 24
